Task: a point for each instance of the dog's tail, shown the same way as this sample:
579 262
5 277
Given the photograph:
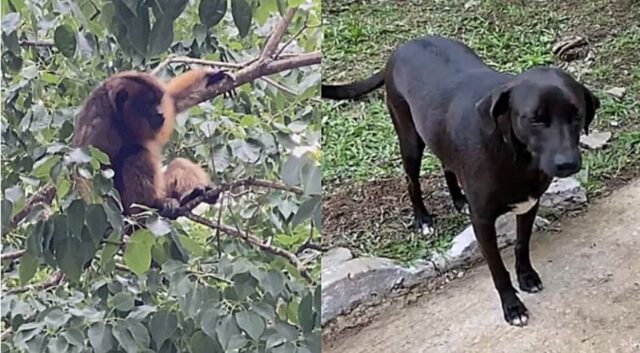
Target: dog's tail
353 90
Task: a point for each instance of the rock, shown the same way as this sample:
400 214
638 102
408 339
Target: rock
564 194
356 281
335 257
617 92
595 140
465 247
420 272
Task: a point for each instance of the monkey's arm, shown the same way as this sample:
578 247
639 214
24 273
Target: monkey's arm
187 83
140 181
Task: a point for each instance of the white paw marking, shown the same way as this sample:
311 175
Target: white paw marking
465 210
426 230
520 320
524 206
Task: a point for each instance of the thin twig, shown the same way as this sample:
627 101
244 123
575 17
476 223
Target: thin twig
296 35
35 43
12 255
276 35
255 241
44 197
279 86
53 281
187 60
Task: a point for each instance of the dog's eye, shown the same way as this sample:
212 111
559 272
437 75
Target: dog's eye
538 120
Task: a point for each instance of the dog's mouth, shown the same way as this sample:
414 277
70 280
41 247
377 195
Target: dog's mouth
563 173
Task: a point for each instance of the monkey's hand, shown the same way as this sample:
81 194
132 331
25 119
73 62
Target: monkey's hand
217 76
169 208
210 196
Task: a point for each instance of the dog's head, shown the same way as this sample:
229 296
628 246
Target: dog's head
543 110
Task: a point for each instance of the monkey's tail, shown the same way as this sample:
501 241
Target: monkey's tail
353 90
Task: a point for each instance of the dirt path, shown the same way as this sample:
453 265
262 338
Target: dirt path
591 300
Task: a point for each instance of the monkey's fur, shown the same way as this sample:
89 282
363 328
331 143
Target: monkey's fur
130 117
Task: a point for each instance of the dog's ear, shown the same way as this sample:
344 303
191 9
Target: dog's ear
492 106
593 103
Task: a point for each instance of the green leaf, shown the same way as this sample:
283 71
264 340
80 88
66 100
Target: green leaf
64 38
290 172
244 285
209 321
201 343
191 245
122 301
56 318
137 255
161 36
74 336
241 12
10 22
100 337
43 166
305 313
158 226
138 332
96 221
264 309
251 323
227 328
6 208
58 345
211 12
114 215
311 179
306 210
162 326
273 282
124 337
75 217
246 151
28 267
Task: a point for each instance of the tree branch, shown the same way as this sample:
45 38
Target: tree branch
276 35
12 255
255 241
248 74
35 43
211 194
43 197
187 60
54 280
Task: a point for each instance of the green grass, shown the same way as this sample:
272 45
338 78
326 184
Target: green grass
359 143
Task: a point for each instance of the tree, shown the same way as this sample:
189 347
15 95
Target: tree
228 278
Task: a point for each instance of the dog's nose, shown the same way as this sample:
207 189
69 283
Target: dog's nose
566 165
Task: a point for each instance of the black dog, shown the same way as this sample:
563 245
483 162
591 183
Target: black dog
503 137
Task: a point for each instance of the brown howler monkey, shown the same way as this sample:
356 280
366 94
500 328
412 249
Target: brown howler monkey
130 117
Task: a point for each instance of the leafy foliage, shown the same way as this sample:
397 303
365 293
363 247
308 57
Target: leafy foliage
169 286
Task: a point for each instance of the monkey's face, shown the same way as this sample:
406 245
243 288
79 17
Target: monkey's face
139 106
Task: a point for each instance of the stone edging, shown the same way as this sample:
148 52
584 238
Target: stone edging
348 282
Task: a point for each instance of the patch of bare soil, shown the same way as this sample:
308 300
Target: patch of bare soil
380 211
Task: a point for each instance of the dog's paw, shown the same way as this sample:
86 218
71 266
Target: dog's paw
530 281
461 205
515 313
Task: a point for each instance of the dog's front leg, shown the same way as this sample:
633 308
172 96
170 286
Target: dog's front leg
528 278
514 311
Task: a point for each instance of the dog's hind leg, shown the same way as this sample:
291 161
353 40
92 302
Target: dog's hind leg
459 200
411 149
